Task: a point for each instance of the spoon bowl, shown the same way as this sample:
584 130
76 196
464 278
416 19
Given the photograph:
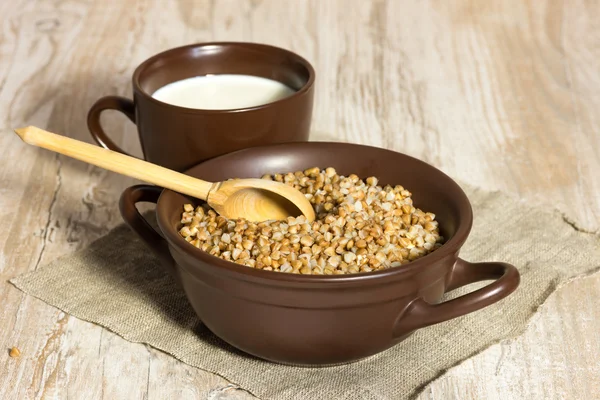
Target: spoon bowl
258 200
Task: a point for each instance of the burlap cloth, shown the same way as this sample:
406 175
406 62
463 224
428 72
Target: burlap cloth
117 283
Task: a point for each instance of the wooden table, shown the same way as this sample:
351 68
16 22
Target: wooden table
504 96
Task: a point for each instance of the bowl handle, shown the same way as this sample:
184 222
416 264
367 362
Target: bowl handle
118 103
145 193
419 313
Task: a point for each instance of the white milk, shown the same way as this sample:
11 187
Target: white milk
222 92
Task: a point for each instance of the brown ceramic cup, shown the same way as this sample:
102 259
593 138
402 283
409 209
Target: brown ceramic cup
178 137
323 320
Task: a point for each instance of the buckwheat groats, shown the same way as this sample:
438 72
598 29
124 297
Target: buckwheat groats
359 227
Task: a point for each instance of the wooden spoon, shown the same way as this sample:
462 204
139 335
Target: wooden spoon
253 199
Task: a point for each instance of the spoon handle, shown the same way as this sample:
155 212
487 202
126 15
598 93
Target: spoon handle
116 162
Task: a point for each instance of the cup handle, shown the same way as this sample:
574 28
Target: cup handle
419 313
118 103
145 193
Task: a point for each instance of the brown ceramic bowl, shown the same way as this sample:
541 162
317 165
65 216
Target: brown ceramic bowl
323 320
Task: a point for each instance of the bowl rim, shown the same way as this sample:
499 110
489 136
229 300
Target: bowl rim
449 248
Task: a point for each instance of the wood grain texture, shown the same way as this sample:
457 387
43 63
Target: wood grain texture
503 95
